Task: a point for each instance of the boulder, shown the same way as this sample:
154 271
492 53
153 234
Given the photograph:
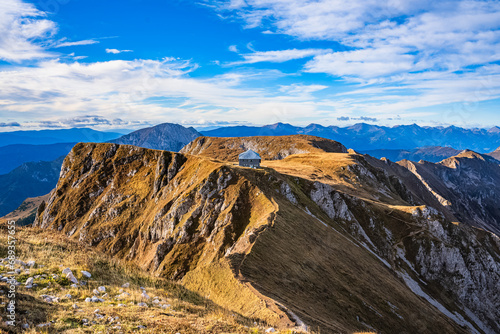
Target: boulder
86 274
29 283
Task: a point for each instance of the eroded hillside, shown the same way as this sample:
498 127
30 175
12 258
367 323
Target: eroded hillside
467 184
334 241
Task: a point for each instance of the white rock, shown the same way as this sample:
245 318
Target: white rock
123 295
86 273
76 306
270 330
145 295
48 299
30 263
68 296
142 304
88 300
66 271
102 289
126 285
26 326
72 278
29 282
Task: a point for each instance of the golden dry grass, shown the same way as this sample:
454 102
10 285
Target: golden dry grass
268 147
184 311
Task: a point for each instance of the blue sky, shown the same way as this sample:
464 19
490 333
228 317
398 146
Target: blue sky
130 63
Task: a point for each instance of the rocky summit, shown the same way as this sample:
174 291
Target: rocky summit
330 242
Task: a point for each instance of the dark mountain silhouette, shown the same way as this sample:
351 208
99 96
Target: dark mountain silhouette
43 137
430 153
12 156
31 179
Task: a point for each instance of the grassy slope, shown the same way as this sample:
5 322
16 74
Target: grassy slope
268 147
187 311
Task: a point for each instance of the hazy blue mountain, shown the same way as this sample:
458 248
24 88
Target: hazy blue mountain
12 156
364 136
28 180
42 137
166 136
429 153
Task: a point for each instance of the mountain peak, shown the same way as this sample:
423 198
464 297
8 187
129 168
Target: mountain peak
165 136
494 129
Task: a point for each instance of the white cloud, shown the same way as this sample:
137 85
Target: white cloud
23 30
365 63
233 48
116 51
134 90
279 56
383 38
82 42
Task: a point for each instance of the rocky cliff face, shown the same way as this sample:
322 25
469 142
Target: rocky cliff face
467 184
334 241
268 147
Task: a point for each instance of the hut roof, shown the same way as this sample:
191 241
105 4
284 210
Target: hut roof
249 154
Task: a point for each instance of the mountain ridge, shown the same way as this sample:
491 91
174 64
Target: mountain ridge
363 136
290 232
268 147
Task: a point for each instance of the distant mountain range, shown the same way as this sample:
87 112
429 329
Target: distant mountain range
43 137
12 156
28 180
374 140
363 137
429 153
166 136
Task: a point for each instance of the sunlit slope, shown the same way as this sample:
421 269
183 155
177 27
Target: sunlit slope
331 240
268 147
